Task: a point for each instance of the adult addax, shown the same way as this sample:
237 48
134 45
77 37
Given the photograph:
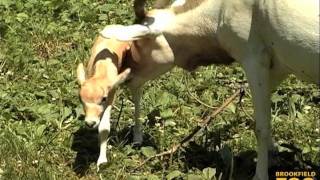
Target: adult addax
269 38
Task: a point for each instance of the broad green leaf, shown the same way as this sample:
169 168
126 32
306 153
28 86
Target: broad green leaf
232 107
66 112
21 132
106 8
43 109
194 177
134 178
41 94
306 149
128 149
316 149
300 115
208 173
152 177
276 98
40 130
164 99
21 17
295 98
103 17
6 3
148 151
167 113
169 123
3 94
173 174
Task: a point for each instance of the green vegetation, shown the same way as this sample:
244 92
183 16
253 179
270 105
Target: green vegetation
42 135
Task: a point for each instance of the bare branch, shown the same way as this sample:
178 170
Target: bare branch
188 138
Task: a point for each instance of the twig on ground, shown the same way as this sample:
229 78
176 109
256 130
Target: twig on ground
120 112
197 99
187 139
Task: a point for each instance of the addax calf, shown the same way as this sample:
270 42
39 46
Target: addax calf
98 87
111 63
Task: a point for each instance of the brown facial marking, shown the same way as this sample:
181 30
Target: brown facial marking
91 97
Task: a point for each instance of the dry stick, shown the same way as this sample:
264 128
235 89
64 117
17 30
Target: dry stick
197 99
120 112
196 130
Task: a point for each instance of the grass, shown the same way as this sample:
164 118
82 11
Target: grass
42 134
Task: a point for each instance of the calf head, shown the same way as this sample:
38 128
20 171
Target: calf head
97 91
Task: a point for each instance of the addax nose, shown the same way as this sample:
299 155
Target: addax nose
90 124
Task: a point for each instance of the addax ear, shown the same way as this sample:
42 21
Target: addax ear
81 74
128 33
122 77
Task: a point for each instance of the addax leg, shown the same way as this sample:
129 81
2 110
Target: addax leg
137 130
256 66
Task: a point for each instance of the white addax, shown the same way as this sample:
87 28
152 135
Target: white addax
269 38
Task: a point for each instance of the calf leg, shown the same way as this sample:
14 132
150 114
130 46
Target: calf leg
104 130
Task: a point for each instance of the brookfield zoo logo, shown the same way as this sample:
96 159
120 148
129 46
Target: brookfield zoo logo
296 175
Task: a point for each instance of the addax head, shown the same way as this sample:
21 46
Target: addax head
94 94
149 24
149 40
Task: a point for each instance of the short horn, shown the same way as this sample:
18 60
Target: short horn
139 9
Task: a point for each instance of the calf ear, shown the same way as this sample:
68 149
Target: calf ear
128 33
81 74
122 77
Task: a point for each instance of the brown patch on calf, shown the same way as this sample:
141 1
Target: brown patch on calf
106 48
106 53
